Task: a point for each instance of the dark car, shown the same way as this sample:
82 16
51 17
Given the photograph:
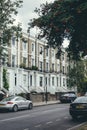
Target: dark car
78 107
67 98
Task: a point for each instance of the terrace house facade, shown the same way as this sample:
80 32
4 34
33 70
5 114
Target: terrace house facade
32 66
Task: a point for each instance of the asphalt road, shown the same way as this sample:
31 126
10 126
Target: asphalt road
52 117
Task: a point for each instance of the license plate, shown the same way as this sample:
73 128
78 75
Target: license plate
78 107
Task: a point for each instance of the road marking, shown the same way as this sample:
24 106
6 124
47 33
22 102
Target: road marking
26 129
30 115
66 117
8 119
50 122
38 126
58 119
72 128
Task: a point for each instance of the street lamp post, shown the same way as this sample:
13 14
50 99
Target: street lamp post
45 79
46 94
28 31
1 69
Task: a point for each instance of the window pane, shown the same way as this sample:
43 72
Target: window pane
32 47
24 45
30 80
41 50
41 65
47 52
13 60
24 60
53 81
24 78
13 41
41 81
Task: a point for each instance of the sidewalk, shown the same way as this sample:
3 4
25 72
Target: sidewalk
45 103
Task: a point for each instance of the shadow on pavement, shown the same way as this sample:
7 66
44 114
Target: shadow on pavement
4 111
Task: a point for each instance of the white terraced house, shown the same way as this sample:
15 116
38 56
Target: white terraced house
32 66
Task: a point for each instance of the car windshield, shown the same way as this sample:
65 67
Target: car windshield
66 94
69 94
80 100
8 98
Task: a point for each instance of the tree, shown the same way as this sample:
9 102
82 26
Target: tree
5 81
78 76
64 19
8 9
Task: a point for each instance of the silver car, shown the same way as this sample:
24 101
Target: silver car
14 103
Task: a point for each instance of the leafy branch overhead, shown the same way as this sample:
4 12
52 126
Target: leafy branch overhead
8 8
64 18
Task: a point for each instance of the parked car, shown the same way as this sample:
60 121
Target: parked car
67 98
14 103
78 107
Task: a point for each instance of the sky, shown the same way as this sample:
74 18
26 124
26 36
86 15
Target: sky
27 12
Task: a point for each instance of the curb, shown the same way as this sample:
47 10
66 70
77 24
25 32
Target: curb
44 104
77 126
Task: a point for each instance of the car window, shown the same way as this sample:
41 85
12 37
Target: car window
20 98
8 98
81 100
69 94
17 99
65 95
72 95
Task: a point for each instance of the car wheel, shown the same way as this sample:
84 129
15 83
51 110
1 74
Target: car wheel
30 106
15 108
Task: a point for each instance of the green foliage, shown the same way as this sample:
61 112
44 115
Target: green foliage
5 80
8 8
64 18
17 31
34 68
22 65
78 77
